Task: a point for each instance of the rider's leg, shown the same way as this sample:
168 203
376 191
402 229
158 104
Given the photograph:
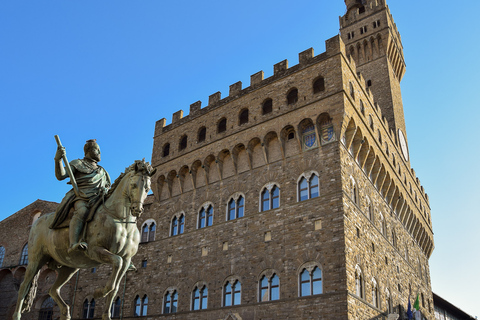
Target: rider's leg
76 226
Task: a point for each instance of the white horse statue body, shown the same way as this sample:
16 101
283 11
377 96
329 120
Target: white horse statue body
112 236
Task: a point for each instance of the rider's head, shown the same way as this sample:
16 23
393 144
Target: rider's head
92 150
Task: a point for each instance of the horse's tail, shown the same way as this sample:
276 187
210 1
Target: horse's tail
32 292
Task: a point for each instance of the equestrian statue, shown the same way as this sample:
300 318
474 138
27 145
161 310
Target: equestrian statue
94 224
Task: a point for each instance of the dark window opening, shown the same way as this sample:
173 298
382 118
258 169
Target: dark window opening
369 83
361 9
267 106
291 135
202 133
319 85
243 118
292 96
183 143
166 149
222 126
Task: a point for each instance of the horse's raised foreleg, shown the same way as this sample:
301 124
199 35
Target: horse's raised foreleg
111 296
64 274
27 290
102 255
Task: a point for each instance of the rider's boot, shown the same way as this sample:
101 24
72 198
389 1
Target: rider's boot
76 229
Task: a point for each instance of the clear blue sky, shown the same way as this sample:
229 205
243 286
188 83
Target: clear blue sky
110 69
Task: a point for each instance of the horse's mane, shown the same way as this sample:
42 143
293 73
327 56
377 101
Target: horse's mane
137 165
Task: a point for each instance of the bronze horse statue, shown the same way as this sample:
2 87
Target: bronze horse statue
112 235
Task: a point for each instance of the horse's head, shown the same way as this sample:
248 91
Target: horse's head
139 186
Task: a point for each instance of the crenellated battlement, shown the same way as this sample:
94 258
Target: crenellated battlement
280 70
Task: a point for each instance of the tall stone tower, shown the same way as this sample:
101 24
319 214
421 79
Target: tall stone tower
372 39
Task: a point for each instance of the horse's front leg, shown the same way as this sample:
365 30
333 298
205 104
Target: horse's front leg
102 255
111 296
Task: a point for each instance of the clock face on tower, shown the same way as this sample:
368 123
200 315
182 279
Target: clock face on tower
403 144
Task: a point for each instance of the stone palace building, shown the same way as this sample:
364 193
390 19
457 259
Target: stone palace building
290 198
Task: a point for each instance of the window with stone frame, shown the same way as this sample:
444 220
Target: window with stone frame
88 309
205 216
375 294
200 297
166 149
270 197
2 255
354 191
359 283
183 143
243 117
222 125
269 287
24 256
319 85
177 225
292 96
232 293
170 301
235 207
141 306
267 106
148 231
308 186
202 134
46 309
310 280
115 310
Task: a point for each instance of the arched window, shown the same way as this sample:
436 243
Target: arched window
311 281
352 91
141 306
116 305
170 302
269 288
166 149
202 134
232 293
370 122
362 107
88 309
267 106
308 187
183 143
319 85
375 297
178 225
200 298
383 227
46 310
354 192
2 255
359 287
222 125
270 197
24 256
292 96
235 208
243 117
205 216
148 231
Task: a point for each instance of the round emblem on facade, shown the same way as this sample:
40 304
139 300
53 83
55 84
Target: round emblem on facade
403 144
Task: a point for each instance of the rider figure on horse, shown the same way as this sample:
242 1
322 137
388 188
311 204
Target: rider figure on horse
92 181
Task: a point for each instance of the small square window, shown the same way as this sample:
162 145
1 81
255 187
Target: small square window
144 263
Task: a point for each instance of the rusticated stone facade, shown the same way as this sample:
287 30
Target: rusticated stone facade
291 198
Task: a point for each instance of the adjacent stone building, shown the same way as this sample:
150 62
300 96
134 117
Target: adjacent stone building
292 198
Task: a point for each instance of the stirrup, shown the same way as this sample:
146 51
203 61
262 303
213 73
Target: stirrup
78 246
